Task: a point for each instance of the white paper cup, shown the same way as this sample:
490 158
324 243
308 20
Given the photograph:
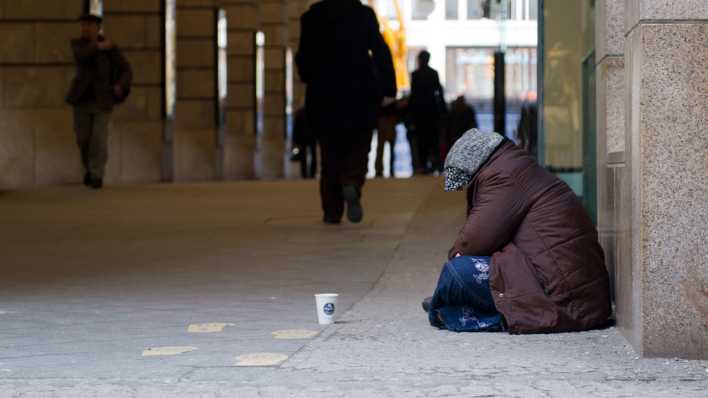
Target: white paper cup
326 307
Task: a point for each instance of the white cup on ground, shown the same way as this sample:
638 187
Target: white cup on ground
326 307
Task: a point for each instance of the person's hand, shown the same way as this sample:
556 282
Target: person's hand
386 101
117 90
106 44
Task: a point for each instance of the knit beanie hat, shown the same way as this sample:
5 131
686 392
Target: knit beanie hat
467 156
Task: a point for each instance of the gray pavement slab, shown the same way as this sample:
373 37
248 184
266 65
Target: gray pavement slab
88 280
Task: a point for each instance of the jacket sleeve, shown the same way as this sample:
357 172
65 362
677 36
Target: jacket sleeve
382 58
126 71
83 50
303 56
441 94
497 211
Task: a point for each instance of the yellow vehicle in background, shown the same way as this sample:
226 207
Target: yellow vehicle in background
395 37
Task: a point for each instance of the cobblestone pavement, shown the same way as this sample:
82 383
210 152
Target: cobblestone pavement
89 281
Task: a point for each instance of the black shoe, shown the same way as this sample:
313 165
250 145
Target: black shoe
426 303
331 220
354 211
87 179
97 183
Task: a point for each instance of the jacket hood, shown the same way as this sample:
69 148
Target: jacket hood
467 156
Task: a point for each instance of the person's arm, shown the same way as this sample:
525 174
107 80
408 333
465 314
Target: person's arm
441 93
382 58
83 50
126 71
303 57
497 212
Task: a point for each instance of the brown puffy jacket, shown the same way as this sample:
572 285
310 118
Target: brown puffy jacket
548 271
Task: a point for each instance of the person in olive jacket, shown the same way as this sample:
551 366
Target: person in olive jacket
103 78
528 259
348 70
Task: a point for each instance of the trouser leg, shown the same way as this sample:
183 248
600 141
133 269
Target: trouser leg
392 161
357 160
312 149
330 180
463 301
303 160
98 145
83 124
464 281
380 142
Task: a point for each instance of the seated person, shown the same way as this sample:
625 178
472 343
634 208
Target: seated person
528 259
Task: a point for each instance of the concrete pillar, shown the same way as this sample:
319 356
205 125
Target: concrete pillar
613 192
136 134
667 152
195 135
270 152
239 141
37 144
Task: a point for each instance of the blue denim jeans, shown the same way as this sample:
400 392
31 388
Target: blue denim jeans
463 300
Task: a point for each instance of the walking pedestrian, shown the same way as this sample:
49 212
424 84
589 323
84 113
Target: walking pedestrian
426 106
103 78
348 70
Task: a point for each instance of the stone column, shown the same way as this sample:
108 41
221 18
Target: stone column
271 143
667 150
195 135
239 141
137 128
37 144
612 170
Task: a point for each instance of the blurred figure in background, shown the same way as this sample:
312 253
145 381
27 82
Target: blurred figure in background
103 78
348 70
386 134
461 119
426 107
527 130
305 150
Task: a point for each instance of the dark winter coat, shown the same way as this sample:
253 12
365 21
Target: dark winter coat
98 70
346 66
548 270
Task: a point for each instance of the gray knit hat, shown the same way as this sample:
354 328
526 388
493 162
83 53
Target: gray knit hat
467 156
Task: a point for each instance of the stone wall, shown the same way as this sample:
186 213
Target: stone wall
37 144
653 161
36 134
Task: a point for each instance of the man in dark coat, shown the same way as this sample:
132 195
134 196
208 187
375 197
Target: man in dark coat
349 72
529 247
103 78
426 106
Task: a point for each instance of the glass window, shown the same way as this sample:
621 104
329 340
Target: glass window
452 8
475 9
422 9
533 10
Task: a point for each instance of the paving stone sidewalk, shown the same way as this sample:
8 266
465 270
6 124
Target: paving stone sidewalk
381 347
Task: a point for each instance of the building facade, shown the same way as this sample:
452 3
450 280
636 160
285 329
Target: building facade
623 101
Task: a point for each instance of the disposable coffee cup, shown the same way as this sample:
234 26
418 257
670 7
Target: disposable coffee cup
326 307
